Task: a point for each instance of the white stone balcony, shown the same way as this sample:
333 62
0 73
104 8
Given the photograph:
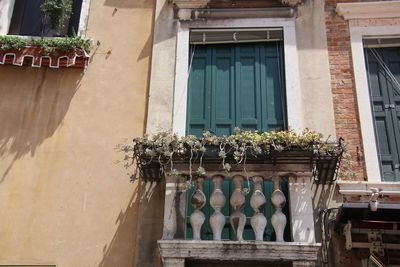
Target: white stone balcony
300 248
250 201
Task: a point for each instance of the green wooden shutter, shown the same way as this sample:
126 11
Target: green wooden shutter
236 85
272 84
223 96
199 106
248 101
385 100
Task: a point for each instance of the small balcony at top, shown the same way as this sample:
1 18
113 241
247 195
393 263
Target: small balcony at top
240 198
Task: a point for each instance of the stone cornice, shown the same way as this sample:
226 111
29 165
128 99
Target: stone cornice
369 10
360 192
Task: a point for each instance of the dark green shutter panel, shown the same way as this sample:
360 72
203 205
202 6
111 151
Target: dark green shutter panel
385 98
199 106
222 96
236 85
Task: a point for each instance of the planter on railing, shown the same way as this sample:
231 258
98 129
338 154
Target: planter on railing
155 158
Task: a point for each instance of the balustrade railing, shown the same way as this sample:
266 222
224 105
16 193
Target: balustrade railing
237 200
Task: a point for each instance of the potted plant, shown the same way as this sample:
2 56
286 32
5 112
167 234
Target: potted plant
56 14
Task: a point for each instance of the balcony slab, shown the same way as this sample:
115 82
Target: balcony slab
239 251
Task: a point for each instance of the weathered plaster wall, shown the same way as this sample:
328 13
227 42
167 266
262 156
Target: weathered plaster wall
64 198
314 68
163 69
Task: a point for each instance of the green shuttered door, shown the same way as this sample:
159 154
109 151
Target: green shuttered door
385 98
236 85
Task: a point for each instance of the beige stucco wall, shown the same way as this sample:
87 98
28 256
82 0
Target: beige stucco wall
64 197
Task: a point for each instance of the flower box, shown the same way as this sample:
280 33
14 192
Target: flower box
36 56
275 151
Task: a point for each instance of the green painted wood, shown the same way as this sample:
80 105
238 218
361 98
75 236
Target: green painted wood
236 85
385 101
248 233
268 188
273 100
223 96
199 95
248 102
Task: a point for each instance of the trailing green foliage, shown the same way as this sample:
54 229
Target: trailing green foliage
165 147
56 13
50 45
64 44
12 42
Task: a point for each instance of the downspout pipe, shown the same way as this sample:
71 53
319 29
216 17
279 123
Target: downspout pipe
234 13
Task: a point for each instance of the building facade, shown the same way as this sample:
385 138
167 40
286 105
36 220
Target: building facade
186 66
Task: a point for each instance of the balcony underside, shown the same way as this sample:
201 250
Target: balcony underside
239 251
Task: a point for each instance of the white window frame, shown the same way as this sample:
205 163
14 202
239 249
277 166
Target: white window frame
7 7
293 93
363 98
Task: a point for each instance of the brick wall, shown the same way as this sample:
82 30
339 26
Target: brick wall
343 88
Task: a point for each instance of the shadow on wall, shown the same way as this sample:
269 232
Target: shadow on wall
121 250
151 216
129 3
324 196
33 104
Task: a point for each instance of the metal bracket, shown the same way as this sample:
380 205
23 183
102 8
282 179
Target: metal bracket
388 106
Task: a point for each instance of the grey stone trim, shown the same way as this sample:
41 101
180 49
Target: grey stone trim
239 251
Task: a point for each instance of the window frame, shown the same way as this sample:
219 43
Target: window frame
291 67
357 34
9 6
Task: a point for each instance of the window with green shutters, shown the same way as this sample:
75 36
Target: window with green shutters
236 85
383 66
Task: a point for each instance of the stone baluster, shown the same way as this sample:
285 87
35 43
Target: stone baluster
237 218
278 219
257 202
217 202
197 218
